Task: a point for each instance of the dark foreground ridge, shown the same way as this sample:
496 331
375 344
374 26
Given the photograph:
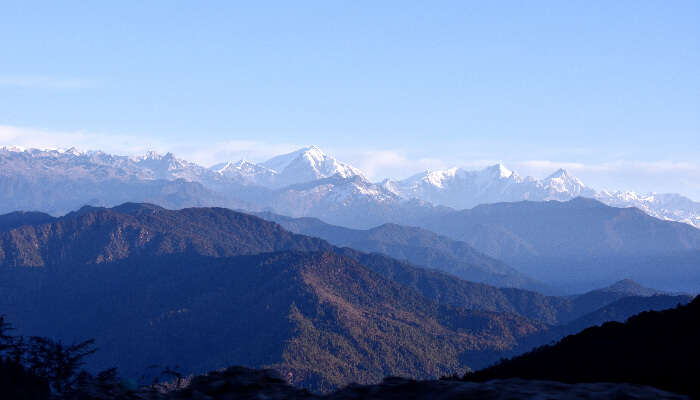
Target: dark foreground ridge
244 383
658 348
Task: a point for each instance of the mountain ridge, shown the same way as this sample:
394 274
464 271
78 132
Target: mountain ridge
305 302
612 352
145 279
581 240
415 245
252 184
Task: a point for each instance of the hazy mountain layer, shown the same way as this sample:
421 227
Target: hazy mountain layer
581 243
94 236
415 245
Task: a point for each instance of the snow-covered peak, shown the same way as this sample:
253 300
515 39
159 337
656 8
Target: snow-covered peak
498 171
241 165
307 164
153 158
279 163
561 173
562 182
390 186
462 188
246 172
73 152
150 155
439 178
14 149
43 151
333 180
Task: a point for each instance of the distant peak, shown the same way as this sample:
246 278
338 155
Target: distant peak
624 283
14 149
628 286
560 173
151 155
563 182
73 151
311 163
313 147
500 170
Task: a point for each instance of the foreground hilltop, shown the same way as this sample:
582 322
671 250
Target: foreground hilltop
658 348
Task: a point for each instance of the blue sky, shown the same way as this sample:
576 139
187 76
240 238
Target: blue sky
609 90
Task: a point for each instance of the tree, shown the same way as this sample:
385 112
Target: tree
58 363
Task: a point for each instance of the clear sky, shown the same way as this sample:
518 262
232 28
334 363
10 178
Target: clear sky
608 89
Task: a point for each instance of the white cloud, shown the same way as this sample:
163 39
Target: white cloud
399 164
46 82
379 164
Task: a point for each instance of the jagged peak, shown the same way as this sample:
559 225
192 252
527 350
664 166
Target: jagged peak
562 181
241 166
153 155
150 155
313 160
282 161
560 173
33 150
74 151
312 148
14 149
499 170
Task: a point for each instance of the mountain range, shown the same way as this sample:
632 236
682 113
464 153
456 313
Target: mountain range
571 246
145 281
306 182
550 247
204 288
415 245
582 242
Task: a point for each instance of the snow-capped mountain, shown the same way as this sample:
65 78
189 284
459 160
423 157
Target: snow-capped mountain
563 186
460 188
307 164
98 165
304 165
306 182
246 172
169 167
59 181
668 206
353 202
